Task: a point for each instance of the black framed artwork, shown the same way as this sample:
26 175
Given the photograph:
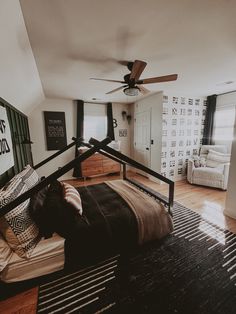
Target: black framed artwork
55 128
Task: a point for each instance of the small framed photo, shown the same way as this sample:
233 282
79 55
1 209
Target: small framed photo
123 133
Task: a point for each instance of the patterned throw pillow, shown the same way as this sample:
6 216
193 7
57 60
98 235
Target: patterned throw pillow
29 176
18 229
72 197
199 161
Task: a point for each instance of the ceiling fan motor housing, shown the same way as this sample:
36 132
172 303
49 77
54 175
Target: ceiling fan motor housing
131 91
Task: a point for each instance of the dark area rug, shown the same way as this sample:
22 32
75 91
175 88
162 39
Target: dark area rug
191 271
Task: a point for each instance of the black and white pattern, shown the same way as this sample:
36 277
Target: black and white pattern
183 122
18 228
29 176
193 270
86 290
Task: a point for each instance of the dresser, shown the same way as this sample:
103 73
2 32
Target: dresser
98 164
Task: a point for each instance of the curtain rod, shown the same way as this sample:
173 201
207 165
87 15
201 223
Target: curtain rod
93 102
232 91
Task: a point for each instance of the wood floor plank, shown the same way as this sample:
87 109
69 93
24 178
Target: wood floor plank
22 303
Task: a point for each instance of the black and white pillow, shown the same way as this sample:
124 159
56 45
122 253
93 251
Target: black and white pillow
29 176
17 227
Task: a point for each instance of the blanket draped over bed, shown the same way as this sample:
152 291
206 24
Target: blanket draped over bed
117 217
153 220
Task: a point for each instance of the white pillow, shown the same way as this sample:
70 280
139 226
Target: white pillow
5 253
216 159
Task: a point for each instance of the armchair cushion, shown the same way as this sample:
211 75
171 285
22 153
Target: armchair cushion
217 148
208 173
216 159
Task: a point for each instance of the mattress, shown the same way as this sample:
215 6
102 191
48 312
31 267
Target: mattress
47 257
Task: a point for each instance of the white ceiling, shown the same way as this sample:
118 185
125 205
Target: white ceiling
73 40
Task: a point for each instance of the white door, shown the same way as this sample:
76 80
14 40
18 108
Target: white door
142 137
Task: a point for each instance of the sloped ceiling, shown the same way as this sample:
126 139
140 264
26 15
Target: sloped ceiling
20 84
73 40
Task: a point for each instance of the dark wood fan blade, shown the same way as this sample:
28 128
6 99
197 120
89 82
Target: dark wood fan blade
116 89
159 79
144 90
137 69
115 81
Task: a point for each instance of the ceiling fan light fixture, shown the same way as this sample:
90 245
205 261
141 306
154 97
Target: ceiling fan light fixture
131 91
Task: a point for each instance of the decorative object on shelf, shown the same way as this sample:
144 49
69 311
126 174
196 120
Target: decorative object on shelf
124 114
6 151
123 133
55 127
127 116
115 124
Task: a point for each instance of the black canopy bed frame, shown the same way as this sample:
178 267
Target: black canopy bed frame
93 147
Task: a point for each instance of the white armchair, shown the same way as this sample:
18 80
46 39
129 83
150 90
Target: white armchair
213 176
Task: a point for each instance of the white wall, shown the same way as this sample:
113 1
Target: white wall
37 131
122 124
20 84
230 209
153 103
224 101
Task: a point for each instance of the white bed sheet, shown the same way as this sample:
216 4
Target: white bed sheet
47 257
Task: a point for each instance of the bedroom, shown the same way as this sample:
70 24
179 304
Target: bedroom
47 58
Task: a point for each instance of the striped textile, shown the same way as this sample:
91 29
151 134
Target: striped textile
72 197
193 270
86 289
17 227
29 176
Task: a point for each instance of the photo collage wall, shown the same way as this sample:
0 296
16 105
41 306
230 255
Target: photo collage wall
183 122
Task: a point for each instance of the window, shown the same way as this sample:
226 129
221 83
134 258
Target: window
224 124
95 121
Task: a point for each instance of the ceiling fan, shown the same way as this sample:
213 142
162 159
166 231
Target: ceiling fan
134 84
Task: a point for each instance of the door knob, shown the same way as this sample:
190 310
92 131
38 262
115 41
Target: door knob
147 148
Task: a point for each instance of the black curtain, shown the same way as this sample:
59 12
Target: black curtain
110 128
209 120
79 133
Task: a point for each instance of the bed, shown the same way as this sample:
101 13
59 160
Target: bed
117 216
48 257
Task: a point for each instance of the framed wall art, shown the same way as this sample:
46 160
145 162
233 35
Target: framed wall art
55 128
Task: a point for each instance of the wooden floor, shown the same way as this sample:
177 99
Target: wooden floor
208 202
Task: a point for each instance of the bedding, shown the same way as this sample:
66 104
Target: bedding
29 176
152 218
5 253
72 197
47 257
51 212
17 227
119 217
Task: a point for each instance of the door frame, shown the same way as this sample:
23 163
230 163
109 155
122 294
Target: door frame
149 110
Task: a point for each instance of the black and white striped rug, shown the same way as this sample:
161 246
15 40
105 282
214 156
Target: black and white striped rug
191 271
